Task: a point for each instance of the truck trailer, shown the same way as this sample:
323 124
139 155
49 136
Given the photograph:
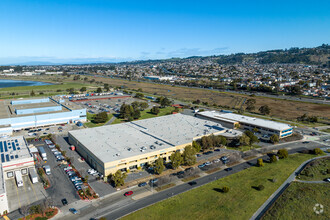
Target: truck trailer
19 178
43 153
33 175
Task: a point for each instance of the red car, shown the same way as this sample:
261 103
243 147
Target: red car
128 193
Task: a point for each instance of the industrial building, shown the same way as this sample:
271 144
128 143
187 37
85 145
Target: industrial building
231 120
132 145
27 113
15 159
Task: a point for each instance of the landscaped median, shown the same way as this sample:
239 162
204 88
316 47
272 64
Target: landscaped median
245 195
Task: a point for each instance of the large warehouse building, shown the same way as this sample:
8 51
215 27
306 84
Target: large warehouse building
230 120
15 159
26 113
133 144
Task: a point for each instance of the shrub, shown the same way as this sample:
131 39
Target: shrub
225 189
273 159
260 187
317 151
260 162
282 153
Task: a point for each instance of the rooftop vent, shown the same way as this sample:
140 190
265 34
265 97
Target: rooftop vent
129 149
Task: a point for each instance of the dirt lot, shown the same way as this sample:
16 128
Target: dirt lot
279 108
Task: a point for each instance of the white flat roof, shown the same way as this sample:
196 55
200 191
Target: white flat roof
258 122
2 181
120 141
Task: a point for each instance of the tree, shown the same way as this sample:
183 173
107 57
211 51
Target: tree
99 90
260 162
206 142
244 139
139 95
317 151
250 104
176 159
159 166
225 189
86 179
83 89
155 110
118 178
106 87
274 139
253 138
165 102
223 141
32 93
126 111
282 153
70 90
273 158
265 110
101 117
136 114
189 155
255 130
143 105
196 146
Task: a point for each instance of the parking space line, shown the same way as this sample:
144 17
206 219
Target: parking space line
26 193
19 202
33 189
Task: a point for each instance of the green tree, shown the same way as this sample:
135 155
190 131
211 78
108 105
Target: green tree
265 110
253 138
260 162
176 159
189 155
317 151
225 189
274 139
244 140
250 104
32 93
99 90
223 141
282 153
101 117
126 111
118 178
143 105
83 89
255 130
106 87
70 90
159 166
136 114
165 102
273 158
155 110
196 146
206 142
139 95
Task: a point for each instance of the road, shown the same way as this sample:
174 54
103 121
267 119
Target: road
261 211
117 206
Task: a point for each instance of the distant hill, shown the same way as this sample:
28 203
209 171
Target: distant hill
312 56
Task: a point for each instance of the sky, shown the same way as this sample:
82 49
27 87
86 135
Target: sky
78 31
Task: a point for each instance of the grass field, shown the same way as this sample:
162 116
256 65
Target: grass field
298 201
326 130
242 200
280 108
244 148
316 170
147 114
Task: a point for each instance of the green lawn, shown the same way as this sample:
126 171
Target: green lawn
316 170
326 130
207 202
298 201
147 114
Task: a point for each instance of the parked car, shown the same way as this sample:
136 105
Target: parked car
73 210
198 155
207 163
142 184
128 193
154 180
217 150
327 179
228 169
201 166
305 142
192 183
64 201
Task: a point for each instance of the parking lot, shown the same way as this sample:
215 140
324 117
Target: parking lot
25 195
106 105
60 184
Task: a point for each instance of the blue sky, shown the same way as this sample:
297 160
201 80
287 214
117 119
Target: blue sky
101 30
